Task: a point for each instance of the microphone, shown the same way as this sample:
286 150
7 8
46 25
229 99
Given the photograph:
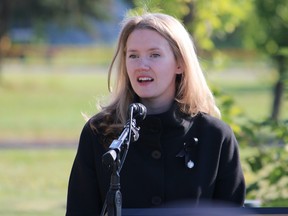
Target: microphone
139 111
136 110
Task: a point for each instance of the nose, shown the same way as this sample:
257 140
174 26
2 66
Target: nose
143 64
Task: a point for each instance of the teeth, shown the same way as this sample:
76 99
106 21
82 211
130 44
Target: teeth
144 79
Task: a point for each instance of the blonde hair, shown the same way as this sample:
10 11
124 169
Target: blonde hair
192 93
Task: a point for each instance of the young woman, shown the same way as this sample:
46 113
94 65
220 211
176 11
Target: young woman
185 153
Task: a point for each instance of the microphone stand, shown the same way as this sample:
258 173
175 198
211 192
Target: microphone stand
114 159
114 196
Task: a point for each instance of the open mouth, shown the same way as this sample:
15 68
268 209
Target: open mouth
145 79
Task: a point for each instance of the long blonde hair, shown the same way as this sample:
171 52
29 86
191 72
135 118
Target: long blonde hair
192 93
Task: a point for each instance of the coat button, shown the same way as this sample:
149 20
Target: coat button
156 154
156 200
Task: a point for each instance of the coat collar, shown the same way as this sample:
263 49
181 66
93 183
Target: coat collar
167 121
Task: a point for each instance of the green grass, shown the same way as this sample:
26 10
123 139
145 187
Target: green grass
34 182
47 105
251 87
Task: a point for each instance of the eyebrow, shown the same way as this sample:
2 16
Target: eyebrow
151 49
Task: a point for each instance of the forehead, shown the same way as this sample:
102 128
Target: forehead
141 38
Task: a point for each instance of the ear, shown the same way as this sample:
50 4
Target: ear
179 69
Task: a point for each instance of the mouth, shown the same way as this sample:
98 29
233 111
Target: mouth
144 79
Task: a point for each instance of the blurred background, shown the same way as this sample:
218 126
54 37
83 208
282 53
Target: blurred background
54 58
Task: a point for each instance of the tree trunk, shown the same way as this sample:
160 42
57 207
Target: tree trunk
278 92
278 88
4 17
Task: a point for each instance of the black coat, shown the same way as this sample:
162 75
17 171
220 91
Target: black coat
155 171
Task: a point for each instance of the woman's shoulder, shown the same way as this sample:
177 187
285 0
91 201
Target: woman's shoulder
213 129
102 127
87 130
91 133
209 122
89 127
92 122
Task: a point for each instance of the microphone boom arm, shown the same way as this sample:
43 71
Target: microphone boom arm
121 143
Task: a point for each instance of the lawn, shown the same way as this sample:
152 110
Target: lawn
250 83
34 182
36 106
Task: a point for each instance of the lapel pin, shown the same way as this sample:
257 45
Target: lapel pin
186 153
190 164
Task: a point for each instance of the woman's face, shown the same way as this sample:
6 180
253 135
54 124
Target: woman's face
151 66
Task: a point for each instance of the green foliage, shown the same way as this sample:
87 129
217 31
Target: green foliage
162 6
269 140
205 19
265 165
50 9
267 26
270 165
216 19
229 110
37 14
266 30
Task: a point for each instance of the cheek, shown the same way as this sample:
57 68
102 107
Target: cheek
129 68
168 72
130 77
129 73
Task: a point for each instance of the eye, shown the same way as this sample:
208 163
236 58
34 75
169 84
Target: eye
132 56
155 55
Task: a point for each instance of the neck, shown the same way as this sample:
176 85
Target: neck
156 107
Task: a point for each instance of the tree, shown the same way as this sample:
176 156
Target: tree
63 11
36 14
204 19
4 14
266 30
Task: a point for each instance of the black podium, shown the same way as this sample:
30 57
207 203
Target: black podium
217 211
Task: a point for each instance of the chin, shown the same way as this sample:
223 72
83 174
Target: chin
144 96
